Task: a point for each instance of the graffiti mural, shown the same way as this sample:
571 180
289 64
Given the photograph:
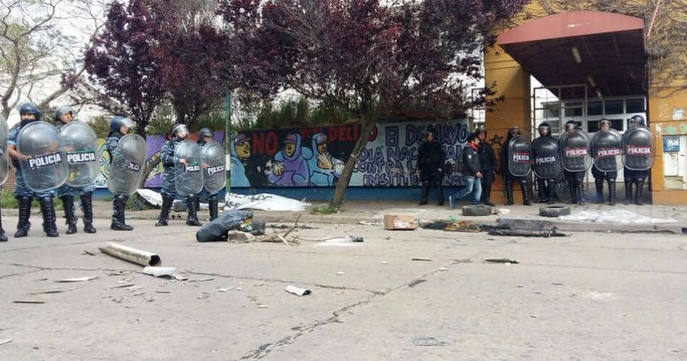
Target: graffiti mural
307 157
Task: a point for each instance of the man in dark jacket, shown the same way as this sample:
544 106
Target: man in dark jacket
471 173
487 161
430 162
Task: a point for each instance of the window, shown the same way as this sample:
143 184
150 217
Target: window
573 109
614 107
636 105
593 126
595 108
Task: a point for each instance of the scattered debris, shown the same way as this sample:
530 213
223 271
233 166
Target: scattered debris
29 302
265 202
122 284
385 262
502 211
416 282
203 296
477 210
554 211
298 291
346 241
77 279
160 271
526 233
89 253
375 223
240 237
443 269
5 341
163 292
133 255
501 260
263 306
259 284
463 226
50 292
179 277
224 290
284 226
340 273
421 259
428 341
202 280
400 222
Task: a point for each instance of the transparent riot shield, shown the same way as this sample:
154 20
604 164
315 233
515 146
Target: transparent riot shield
188 177
80 147
214 169
607 150
127 163
638 146
4 156
42 162
547 158
575 154
520 156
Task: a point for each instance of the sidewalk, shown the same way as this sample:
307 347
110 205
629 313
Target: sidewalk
372 213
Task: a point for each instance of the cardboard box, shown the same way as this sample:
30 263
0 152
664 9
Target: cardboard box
399 222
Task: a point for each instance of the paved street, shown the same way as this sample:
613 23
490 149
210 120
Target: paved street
590 296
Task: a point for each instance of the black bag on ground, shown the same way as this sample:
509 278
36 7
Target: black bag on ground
217 230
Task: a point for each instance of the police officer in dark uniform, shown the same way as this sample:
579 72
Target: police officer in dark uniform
545 185
575 179
509 178
631 176
119 127
601 176
63 116
29 113
430 161
487 161
205 136
169 193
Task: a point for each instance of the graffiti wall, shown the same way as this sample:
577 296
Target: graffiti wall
307 157
154 144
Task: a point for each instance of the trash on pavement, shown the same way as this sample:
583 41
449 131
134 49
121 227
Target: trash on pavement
341 241
421 259
400 222
463 226
5 341
501 260
298 291
264 202
133 255
77 279
240 237
218 229
159 271
35 302
428 341
526 233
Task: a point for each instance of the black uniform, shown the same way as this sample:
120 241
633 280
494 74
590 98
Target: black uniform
508 178
430 161
487 161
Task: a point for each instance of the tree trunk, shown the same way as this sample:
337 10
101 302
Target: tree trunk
365 127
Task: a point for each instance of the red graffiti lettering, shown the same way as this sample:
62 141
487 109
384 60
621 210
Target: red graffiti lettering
373 134
258 143
331 137
272 143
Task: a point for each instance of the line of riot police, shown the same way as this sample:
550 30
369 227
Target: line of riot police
572 154
61 161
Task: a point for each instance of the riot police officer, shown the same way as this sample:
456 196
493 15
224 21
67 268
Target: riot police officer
638 158
508 177
204 137
4 165
606 150
29 113
119 127
169 193
430 161
547 165
575 157
63 116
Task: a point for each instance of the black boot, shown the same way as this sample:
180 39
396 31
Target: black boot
3 236
87 209
440 190
549 190
524 186
69 213
611 192
192 218
212 205
638 192
118 205
23 224
580 193
509 191
167 202
599 182
48 210
425 193
628 191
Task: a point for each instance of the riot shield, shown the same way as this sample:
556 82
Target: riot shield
127 163
188 178
4 156
574 148
607 150
214 170
520 156
547 158
80 146
42 163
638 149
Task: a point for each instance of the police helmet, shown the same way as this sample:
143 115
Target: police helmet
30 108
62 111
118 121
179 129
205 132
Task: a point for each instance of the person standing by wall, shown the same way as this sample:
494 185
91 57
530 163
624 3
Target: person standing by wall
471 173
430 161
487 161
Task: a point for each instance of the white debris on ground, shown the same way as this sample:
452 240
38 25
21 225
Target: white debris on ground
264 202
614 216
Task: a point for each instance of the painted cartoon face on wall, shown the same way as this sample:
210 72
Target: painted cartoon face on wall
289 149
322 148
243 149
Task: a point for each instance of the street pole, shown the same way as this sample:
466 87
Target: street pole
227 132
